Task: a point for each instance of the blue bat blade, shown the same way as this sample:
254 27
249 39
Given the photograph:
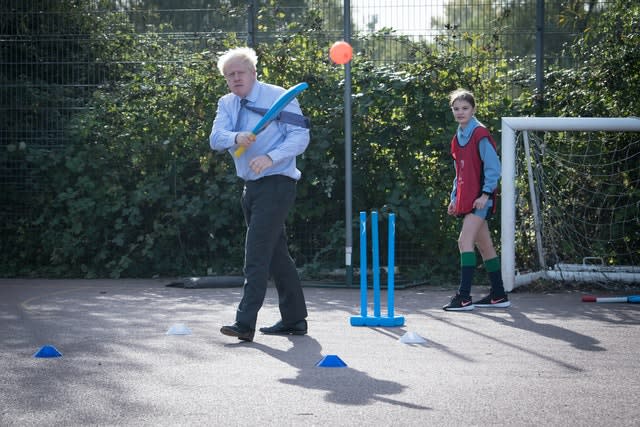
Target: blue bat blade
634 299
278 105
275 109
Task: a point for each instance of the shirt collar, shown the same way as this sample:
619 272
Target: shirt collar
252 97
464 134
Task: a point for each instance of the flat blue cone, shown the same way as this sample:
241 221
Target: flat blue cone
331 361
48 351
179 329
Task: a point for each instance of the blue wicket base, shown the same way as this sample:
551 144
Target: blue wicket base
387 322
358 321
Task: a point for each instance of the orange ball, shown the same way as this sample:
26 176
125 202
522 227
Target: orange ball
341 52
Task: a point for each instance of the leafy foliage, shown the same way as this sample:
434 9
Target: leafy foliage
138 192
606 77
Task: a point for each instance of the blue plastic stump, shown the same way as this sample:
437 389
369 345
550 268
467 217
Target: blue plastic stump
360 320
390 320
47 351
375 261
331 361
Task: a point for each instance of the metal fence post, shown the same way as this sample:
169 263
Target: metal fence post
251 23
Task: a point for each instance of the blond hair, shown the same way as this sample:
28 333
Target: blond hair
244 54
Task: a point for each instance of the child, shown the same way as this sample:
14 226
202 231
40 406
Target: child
473 198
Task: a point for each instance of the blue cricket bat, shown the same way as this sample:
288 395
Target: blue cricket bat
271 114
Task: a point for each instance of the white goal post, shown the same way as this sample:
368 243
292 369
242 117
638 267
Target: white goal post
510 128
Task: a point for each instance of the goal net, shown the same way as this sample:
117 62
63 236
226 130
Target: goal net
570 206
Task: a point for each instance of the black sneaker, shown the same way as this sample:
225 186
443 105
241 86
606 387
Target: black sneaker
491 300
459 303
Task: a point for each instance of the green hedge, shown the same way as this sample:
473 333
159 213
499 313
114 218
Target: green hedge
138 193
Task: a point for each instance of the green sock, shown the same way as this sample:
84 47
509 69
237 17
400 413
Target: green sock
467 259
492 264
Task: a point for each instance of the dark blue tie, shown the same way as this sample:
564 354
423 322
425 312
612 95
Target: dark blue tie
243 102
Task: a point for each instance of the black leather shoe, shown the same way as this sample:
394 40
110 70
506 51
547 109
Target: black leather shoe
298 328
236 330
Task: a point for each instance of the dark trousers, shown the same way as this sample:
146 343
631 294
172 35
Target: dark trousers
266 204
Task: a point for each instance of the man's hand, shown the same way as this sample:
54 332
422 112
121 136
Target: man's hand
260 163
245 139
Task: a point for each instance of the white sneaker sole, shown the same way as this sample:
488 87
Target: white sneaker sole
467 308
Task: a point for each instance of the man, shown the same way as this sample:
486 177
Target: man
268 168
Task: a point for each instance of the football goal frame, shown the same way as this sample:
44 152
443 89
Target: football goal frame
512 128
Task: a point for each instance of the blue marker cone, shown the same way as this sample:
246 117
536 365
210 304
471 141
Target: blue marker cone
331 361
48 351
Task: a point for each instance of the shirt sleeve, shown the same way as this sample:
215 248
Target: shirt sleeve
296 138
492 166
454 190
222 137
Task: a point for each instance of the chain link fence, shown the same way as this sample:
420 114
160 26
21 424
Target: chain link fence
47 73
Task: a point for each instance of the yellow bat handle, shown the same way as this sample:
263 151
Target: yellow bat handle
242 148
239 151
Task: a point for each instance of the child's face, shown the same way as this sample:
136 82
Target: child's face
462 112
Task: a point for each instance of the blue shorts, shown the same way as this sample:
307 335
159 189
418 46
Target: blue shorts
485 213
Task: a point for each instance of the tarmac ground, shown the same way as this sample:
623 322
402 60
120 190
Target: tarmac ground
548 360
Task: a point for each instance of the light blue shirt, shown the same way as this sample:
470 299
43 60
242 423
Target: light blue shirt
489 156
281 142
